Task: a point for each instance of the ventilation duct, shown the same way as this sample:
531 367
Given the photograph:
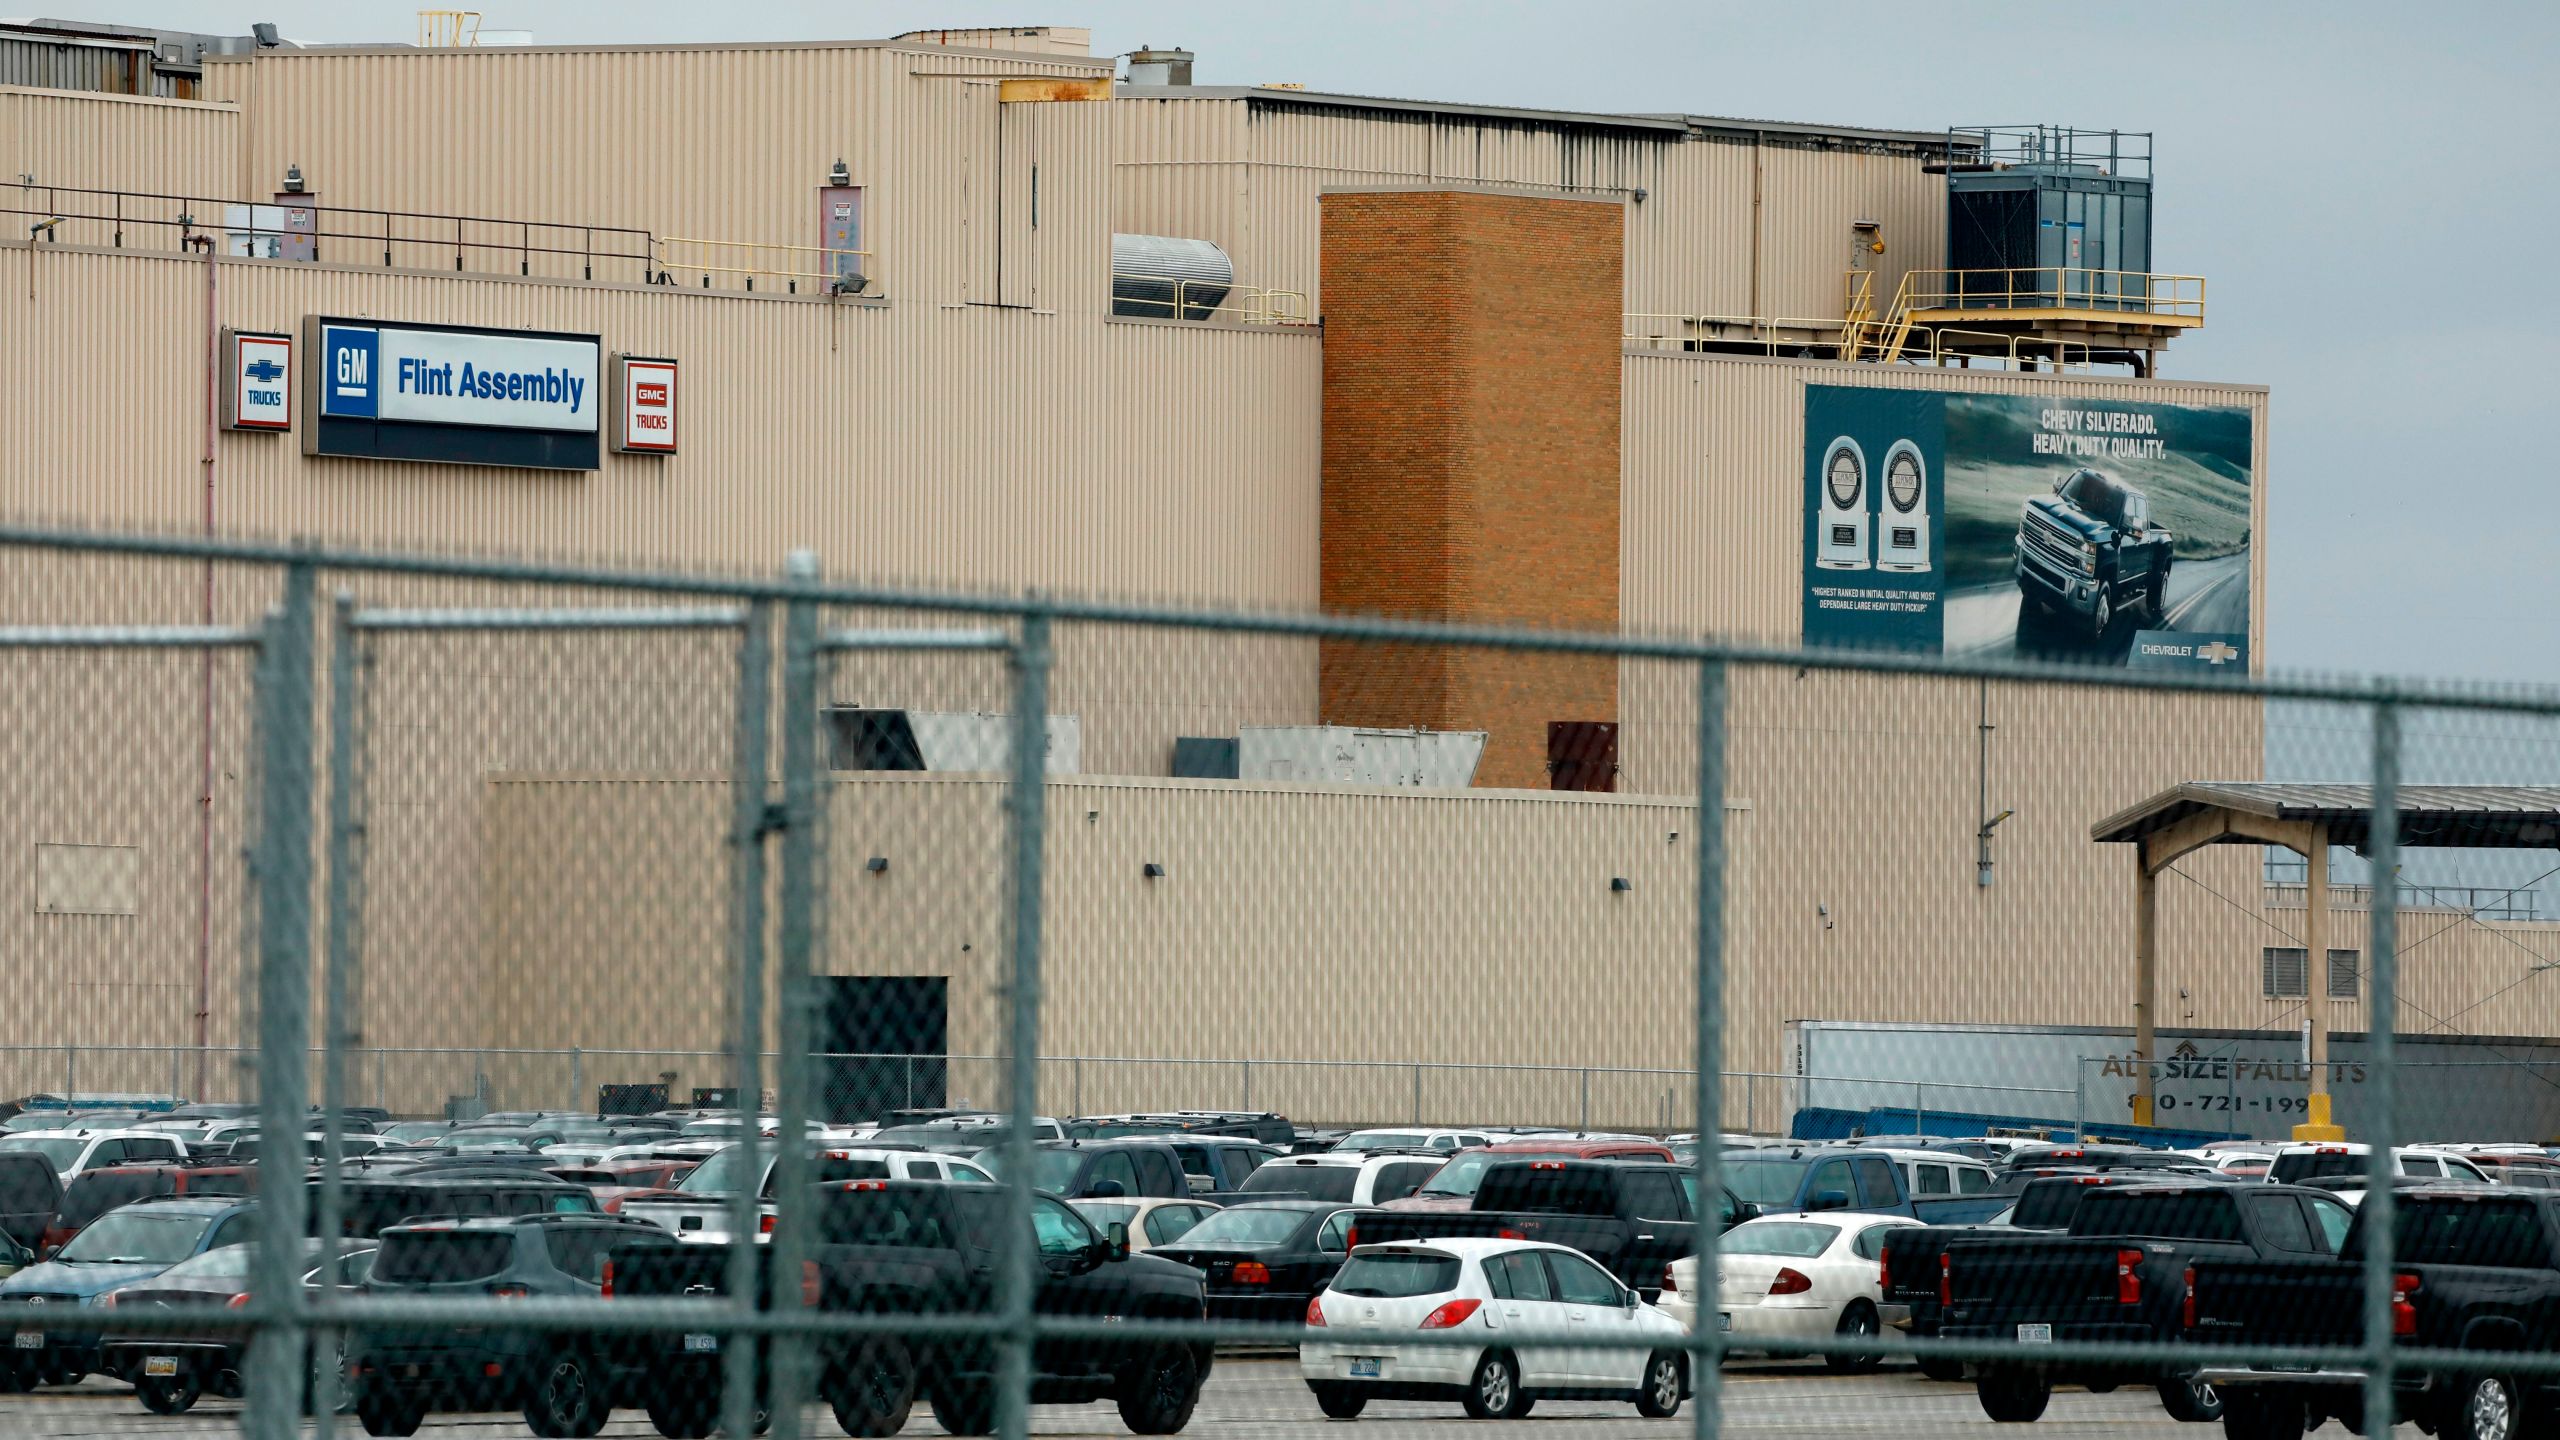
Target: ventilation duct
1166 277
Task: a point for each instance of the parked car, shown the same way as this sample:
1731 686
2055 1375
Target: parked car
906 1246
95 1192
1263 1259
72 1151
375 1203
400 1375
700 1207
1349 1177
1453 1185
1795 1277
2117 1274
2098 1157
1151 1223
615 1181
118 1248
2091 550
414 1132
1417 1138
2298 1163
1814 1178
2471 1270
1633 1217
1215 1165
1914 1258
1098 1169
30 1197
1487 1290
171 1370
14 1257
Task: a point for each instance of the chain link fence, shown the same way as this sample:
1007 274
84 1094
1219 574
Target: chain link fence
888 895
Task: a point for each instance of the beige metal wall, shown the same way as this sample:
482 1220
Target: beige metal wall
91 141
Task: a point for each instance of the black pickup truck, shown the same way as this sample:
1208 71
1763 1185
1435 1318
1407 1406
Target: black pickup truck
1634 1218
2472 1269
1914 1260
920 1247
2117 1273
2090 550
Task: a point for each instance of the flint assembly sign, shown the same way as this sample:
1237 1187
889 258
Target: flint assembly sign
452 394
2110 531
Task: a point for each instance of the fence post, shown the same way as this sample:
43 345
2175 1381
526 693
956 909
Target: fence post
2080 1100
281 862
1586 1098
1919 1108
1017 1323
1706 1355
803 940
1417 1092
2381 1088
1247 1065
748 781
578 1078
71 1077
342 938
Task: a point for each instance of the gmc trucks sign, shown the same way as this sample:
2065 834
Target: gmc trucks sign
2114 532
454 394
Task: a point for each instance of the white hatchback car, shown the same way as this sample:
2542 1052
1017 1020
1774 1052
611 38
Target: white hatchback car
1796 1277
1499 1299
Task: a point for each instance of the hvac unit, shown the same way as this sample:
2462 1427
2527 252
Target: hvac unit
1904 545
1842 541
1168 277
965 742
1346 755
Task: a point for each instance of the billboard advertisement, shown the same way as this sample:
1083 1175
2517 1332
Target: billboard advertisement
2106 531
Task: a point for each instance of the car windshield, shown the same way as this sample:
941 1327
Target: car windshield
1765 1182
408 1130
1462 1177
1397 1277
1246 1228
1799 1238
135 1237
61 1150
1315 1182
230 1260
1385 1140
1051 1170
1108 1212
725 1173
2097 495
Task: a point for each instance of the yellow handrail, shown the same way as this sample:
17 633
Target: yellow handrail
1245 304
674 256
2061 287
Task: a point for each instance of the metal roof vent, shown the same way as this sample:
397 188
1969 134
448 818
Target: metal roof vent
1167 277
1150 66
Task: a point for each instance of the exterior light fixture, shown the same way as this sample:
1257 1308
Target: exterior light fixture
1619 885
878 865
1153 871
839 176
293 179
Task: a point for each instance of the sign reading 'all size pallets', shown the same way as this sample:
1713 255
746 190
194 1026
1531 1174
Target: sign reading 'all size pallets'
451 394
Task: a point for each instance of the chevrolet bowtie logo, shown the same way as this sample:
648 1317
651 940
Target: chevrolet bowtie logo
2214 652
264 371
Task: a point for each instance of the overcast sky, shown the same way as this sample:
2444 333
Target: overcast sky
2367 188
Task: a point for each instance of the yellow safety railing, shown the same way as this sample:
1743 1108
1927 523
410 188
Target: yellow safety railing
2132 292
742 264
1241 304
447 29
1947 342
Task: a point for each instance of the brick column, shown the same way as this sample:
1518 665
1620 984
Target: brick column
1471 393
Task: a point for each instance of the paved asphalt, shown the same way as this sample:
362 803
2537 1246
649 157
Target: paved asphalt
1254 1399
2205 597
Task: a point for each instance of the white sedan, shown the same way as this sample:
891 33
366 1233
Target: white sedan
1495 1300
1796 1277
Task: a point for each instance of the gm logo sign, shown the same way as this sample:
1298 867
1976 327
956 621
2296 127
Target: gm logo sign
350 365
257 381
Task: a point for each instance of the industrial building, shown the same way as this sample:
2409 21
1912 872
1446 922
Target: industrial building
977 310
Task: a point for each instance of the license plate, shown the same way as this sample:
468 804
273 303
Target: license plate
160 1365
701 1344
2035 1334
1724 1322
30 1340
1366 1367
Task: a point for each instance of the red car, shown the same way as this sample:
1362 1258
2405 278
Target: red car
615 1181
1453 1187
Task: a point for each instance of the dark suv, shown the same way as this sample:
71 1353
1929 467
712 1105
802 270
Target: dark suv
1100 1169
2090 549
400 1375
376 1203
1214 1165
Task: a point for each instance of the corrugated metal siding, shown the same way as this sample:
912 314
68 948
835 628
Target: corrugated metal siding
1809 197
69 65
117 142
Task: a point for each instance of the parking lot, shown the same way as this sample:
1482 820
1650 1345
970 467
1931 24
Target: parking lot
1258 1398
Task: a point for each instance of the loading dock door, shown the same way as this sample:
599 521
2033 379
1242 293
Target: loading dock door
886 1039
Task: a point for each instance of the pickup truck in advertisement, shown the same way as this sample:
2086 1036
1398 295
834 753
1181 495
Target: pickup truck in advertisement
2089 550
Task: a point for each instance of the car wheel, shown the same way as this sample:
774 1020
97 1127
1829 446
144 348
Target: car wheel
2102 613
2191 1400
1339 1402
567 1400
1493 1393
1664 1382
1159 1397
168 1394
2482 1407
961 1411
2248 1415
1942 1369
2012 1397
878 1390
1857 1322
684 1417
393 1415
